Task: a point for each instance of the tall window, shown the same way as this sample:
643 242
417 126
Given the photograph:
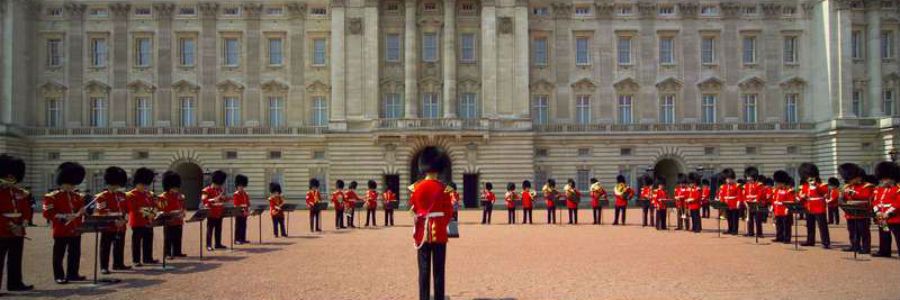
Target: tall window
856 44
623 109
541 109
143 115
667 109
888 103
54 113
142 52
467 45
582 55
583 109
857 103
790 108
749 50
623 50
539 54
468 106
98 52
320 112
276 57
708 50
582 179
431 106
393 106
54 52
666 50
708 109
319 52
429 47
887 45
276 111
749 108
98 112
790 49
392 47
188 108
232 52
186 51
232 112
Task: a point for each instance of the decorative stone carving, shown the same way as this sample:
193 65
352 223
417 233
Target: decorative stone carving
275 86
542 85
891 79
468 85
647 10
297 9
626 84
730 9
688 10
710 83
392 86
562 10
808 8
604 9
252 10
75 10
185 86
53 88
752 83
163 11
209 10
140 86
669 84
793 83
430 84
94 86
843 4
505 25
120 10
771 9
355 26
317 87
228 85
584 84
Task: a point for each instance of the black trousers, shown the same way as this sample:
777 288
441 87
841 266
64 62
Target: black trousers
820 220
213 230
596 212
142 244
884 239
733 217
350 216
573 215
860 236
619 210
339 218
315 222
783 229
70 248
661 219
278 223
172 240
432 258
388 217
649 213
511 215
551 215
370 216
834 215
696 224
112 242
526 215
240 229
754 223
704 211
486 214
11 254
681 223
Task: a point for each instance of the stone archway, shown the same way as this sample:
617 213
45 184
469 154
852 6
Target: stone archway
191 182
668 168
415 174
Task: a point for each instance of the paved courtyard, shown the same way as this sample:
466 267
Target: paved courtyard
489 262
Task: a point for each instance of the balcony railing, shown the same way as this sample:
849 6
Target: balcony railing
720 127
454 124
173 131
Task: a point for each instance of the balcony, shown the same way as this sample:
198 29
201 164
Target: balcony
680 128
172 131
453 124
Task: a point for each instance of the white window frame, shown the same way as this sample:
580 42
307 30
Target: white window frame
749 108
583 109
667 50
856 105
231 52
888 101
887 45
143 112
791 101
320 57
99 111
467 48
624 109
143 51
748 49
276 52
187 51
541 108
392 47
582 51
430 45
623 50
540 51
276 111
54 113
232 110
393 106
54 52
708 50
468 106
319 111
667 109
791 53
708 107
188 107
857 44
431 106
99 52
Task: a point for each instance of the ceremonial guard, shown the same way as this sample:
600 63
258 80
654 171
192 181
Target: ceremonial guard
387 198
371 203
550 194
313 196
887 203
337 199
275 203
573 196
432 208
454 199
782 195
730 193
350 199
213 199
241 200
857 192
598 192
65 209
658 199
487 196
833 199
142 210
13 202
705 195
692 197
528 198
813 192
681 217
111 202
754 192
623 193
510 199
648 209
172 202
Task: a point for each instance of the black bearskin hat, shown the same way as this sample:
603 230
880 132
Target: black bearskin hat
571 182
781 176
143 176
833 182
241 180
593 180
433 160
488 186
526 184
704 182
871 179
313 183
452 185
551 182
768 182
887 170
372 185
728 173
339 184
510 186
807 171
115 176
353 185
171 180
620 179
694 178
12 167
646 180
850 171
274 187
69 173
751 173
218 177
681 179
660 180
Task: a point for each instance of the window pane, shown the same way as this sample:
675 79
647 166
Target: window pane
749 108
54 52
708 109
583 109
540 51
707 50
665 51
142 57
319 52
232 112
749 50
582 57
468 47
187 52
429 47
541 109
667 109
392 43
393 106
624 50
143 114
468 106
98 112
790 109
98 52
275 54
276 112
431 106
54 113
187 112
624 109
888 105
320 111
232 53
790 49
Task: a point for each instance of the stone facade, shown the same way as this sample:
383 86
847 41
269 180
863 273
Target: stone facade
513 89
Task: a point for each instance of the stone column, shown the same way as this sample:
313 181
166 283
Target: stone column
256 106
731 60
685 108
209 65
338 84
296 105
6 88
643 104
873 59
372 51
562 59
74 107
521 107
410 61
118 96
449 61
164 102
844 78
489 59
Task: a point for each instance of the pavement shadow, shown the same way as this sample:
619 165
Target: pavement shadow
181 268
87 289
259 250
306 237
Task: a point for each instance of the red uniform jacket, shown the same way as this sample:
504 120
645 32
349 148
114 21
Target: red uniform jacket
780 197
63 203
692 195
858 192
527 199
705 193
337 199
242 200
679 196
312 196
833 199
372 199
550 198
887 202
111 203
216 207
646 192
13 203
659 195
488 196
350 198
138 201
596 195
754 192
174 202
622 199
510 198
731 194
430 201
388 197
275 203
814 197
572 198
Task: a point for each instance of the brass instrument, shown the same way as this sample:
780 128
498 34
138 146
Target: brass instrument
619 190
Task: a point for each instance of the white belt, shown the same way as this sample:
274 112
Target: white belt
12 215
730 197
816 198
435 214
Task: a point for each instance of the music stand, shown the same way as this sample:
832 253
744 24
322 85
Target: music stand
162 220
759 211
257 211
669 203
858 211
96 224
198 217
796 208
560 205
604 203
719 205
231 213
287 209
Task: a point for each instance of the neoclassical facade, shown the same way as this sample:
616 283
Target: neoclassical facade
512 89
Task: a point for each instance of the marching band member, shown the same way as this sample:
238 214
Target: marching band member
213 199
692 198
112 202
753 192
833 199
142 209
550 195
388 197
680 213
730 193
887 201
350 199
648 208
65 209
705 194
487 196
528 197
242 200
857 192
312 197
275 203
431 207
658 197
510 199
337 199
813 192
782 194
371 203
13 202
573 196
597 191
623 193
454 199
173 202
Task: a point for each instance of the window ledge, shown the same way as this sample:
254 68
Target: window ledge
143 68
186 67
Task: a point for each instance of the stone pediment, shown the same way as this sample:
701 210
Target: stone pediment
669 83
141 86
229 85
318 87
793 82
541 85
275 85
626 84
185 85
468 85
710 83
584 84
893 77
53 86
752 82
96 86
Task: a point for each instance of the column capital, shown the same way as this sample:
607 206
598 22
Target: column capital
297 9
209 10
730 9
164 11
843 4
120 10
688 10
338 3
604 9
252 10
75 10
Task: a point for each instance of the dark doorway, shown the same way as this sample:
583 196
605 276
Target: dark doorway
191 183
470 190
392 182
415 174
668 169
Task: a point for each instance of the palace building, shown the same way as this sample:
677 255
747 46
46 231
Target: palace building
511 89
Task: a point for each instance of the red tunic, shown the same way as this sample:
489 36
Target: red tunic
337 199
242 200
858 192
622 199
174 202
372 199
679 196
814 196
754 192
731 194
111 203
388 197
211 199
350 198
138 202
430 201
63 203
780 197
275 203
13 203
312 197
489 196
887 202
705 193
550 198
572 198
658 197
833 199
510 199
527 199
646 192
692 197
